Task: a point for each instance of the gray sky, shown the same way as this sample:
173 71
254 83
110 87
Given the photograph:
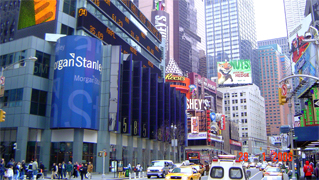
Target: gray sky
270 19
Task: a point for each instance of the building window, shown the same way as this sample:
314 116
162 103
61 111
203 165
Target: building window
66 30
41 66
38 102
12 98
69 7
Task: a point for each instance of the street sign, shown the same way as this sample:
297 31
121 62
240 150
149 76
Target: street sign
2 80
284 89
316 103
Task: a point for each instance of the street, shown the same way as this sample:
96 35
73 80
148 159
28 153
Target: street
255 175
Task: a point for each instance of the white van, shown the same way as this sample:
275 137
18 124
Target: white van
226 167
159 168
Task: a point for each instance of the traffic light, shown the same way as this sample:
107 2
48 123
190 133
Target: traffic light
2 115
282 98
14 145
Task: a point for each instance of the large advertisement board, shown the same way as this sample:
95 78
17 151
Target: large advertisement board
297 46
160 19
33 12
76 84
234 72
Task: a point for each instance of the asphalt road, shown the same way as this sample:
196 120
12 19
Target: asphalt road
257 175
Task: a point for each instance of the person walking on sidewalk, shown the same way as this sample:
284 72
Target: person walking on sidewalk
317 171
307 169
90 170
63 170
69 168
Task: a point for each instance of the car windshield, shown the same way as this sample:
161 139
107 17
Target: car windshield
196 167
273 170
158 163
183 170
195 161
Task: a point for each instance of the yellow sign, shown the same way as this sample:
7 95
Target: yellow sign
172 77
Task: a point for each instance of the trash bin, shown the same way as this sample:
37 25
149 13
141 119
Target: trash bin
127 171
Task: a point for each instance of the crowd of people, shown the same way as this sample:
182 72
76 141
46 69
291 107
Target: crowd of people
67 171
16 170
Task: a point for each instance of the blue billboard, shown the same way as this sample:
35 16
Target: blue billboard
76 84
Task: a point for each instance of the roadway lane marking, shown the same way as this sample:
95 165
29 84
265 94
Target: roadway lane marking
255 175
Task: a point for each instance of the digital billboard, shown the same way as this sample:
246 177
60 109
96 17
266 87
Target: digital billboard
160 19
76 83
234 72
33 12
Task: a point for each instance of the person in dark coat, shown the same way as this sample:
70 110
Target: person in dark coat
83 170
60 176
2 169
75 170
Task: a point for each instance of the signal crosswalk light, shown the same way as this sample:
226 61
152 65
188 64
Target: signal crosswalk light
282 98
2 115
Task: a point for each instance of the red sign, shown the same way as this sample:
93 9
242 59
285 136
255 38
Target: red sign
284 89
236 143
223 123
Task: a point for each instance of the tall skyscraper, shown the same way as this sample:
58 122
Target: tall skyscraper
273 68
189 38
294 10
231 34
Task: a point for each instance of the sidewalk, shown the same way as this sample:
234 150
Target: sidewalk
108 176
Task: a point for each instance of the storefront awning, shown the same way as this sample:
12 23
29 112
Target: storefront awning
306 135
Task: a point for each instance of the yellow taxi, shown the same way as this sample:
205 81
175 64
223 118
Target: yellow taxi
184 173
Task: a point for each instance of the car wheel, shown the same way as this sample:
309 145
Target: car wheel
148 177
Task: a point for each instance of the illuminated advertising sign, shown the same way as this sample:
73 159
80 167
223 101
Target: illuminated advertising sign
92 25
124 22
160 19
33 12
194 125
307 64
297 47
198 104
171 77
76 84
234 72
200 135
236 143
140 16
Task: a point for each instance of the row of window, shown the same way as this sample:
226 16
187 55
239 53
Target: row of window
14 97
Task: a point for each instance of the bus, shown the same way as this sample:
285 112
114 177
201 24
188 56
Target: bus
193 156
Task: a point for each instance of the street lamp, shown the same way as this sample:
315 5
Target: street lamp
173 140
20 61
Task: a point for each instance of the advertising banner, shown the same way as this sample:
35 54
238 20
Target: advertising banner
160 19
200 135
308 65
297 47
194 125
76 84
315 99
33 12
234 72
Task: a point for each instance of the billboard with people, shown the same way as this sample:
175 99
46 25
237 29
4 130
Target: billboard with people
234 72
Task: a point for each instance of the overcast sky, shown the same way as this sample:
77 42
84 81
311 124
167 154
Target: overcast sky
270 19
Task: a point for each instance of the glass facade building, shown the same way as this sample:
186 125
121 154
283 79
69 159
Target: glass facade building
231 34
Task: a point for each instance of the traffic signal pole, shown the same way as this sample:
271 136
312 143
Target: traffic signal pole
291 139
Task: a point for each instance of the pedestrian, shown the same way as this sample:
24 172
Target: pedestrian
63 170
10 172
129 167
54 171
138 168
90 170
35 167
317 171
307 169
69 168
23 169
2 169
83 170
75 170
16 170
42 168
60 176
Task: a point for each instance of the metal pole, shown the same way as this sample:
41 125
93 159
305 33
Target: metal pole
103 175
291 139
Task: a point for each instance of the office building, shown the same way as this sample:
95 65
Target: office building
245 106
295 13
274 67
231 34
77 99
